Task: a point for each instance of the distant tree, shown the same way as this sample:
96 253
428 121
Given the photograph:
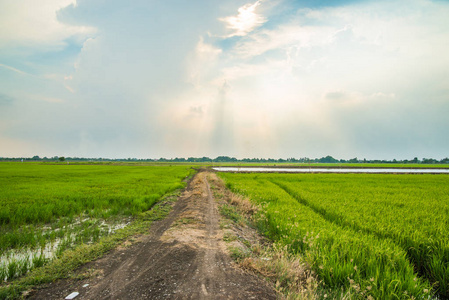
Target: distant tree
36 157
327 159
224 159
61 158
353 160
429 161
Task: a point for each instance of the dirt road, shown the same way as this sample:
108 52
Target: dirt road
182 257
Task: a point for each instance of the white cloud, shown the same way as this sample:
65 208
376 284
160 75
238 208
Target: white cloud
246 21
34 23
332 76
365 79
283 38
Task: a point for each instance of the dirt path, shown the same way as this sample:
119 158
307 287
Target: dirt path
182 257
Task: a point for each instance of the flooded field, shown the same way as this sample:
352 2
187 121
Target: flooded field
331 170
15 262
47 209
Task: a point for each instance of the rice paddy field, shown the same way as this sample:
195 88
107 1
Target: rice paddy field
48 208
371 236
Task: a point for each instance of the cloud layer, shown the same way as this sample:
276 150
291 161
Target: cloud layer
258 79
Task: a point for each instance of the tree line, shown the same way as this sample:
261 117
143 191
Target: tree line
225 159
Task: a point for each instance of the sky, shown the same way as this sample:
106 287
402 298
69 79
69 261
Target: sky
268 78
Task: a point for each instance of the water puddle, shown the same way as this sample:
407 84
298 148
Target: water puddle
16 262
330 170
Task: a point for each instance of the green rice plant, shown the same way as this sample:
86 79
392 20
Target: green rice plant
12 268
375 210
39 194
63 245
73 259
42 203
24 266
341 252
47 204
3 272
38 260
15 266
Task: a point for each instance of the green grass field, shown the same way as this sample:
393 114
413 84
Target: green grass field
47 208
373 235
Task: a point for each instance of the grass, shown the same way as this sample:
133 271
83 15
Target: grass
39 194
65 266
231 213
47 209
379 236
288 274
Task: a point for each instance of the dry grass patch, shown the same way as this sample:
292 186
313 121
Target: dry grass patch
290 276
243 204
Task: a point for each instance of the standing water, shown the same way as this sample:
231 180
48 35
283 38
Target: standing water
331 170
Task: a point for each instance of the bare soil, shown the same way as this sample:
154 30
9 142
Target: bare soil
181 257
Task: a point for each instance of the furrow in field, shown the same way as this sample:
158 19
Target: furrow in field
430 259
360 263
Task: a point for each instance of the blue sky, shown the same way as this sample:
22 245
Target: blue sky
281 78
